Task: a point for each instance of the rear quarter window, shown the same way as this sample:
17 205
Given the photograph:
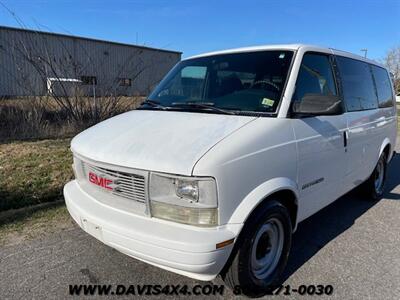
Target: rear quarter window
383 86
357 83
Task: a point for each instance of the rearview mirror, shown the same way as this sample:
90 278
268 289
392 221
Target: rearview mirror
316 104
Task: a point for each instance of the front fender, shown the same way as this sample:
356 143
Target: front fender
386 142
257 195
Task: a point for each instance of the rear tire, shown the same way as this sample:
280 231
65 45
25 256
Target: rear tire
374 187
261 251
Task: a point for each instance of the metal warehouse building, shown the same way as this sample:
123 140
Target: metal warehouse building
36 63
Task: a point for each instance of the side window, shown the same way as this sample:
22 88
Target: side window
358 86
315 77
383 86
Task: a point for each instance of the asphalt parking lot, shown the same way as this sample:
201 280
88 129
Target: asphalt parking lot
353 245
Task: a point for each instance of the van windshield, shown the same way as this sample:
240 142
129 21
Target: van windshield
238 82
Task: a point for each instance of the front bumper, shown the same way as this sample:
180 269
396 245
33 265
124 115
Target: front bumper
183 249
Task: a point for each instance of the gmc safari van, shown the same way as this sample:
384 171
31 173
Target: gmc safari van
213 173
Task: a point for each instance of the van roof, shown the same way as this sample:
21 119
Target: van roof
293 47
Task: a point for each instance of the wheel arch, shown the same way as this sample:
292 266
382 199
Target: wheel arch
386 147
283 190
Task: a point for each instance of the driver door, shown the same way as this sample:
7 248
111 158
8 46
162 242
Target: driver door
320 143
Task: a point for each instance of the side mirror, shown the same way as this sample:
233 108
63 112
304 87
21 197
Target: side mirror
316 104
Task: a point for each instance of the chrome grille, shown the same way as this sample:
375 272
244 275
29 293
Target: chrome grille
131 186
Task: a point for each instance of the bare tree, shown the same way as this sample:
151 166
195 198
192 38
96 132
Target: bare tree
392 62
69 103
72 102
33 54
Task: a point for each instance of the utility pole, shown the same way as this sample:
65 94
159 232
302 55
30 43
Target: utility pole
365 52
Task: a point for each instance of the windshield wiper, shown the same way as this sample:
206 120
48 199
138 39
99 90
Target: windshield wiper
154 104
203 105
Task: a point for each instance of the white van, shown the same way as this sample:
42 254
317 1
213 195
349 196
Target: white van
212 174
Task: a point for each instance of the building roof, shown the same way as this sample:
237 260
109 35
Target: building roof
85 38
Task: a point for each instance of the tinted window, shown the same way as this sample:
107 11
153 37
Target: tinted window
315 77
252 81
358 86
383 86
247 79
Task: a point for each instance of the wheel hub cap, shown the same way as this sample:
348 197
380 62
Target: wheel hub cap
267 248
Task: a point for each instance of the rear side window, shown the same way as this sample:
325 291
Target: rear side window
358 86
315 77
383 86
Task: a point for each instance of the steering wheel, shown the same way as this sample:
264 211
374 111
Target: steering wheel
264 82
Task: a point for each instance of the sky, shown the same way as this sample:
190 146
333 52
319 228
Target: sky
194 27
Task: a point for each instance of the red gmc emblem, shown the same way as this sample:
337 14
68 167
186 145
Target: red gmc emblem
100 181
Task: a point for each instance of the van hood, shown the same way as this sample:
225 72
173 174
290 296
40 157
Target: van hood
163 141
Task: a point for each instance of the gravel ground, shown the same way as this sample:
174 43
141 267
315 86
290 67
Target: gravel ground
353 245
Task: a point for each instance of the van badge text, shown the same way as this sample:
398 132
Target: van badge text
307 185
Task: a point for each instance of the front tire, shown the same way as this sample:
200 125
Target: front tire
261 252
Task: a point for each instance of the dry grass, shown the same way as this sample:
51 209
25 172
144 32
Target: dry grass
43 117
33 172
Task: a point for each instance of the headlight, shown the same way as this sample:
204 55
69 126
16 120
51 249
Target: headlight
187 189
187 200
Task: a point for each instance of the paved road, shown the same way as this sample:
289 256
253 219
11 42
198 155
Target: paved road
353 245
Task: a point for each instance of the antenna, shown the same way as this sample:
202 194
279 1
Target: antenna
365 50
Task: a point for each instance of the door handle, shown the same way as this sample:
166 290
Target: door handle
345 138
